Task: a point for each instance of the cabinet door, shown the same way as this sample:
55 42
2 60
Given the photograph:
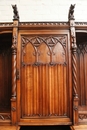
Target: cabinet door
45 89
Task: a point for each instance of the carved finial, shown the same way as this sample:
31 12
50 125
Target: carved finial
71 12
15 11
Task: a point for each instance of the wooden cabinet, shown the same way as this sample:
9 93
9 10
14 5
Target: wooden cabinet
43 73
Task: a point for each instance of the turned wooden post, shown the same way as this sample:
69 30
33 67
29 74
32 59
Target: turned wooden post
14 66
74 65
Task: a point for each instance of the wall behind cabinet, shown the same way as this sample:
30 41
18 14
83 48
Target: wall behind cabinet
43 10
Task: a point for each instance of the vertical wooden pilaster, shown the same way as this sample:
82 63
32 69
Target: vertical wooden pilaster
14 66
74 65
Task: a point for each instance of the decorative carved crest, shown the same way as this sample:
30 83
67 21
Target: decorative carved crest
71 12
15 11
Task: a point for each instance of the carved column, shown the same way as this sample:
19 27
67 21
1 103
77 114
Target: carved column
14 67
74 65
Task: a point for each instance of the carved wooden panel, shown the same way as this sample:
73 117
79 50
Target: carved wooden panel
82 73
44 86
43 50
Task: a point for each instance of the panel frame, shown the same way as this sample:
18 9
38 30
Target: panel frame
69 74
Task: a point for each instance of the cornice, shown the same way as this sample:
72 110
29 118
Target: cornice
43 24
7 24
36 24
81 23
6 27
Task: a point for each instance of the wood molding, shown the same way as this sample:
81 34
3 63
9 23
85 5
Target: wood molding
27 25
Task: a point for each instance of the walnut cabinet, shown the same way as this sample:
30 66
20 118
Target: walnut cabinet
43 70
